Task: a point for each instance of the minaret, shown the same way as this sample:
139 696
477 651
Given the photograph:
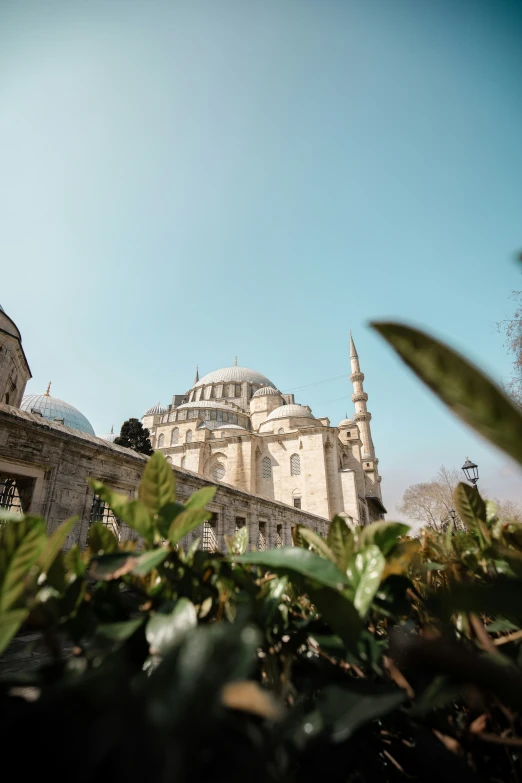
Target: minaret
360 398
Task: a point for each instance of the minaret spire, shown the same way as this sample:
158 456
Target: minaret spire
360 398
196 379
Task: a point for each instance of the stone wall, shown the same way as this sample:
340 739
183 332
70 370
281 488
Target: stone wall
57 463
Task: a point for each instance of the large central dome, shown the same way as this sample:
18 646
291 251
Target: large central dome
234 375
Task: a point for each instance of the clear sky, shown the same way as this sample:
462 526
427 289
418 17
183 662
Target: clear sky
183 182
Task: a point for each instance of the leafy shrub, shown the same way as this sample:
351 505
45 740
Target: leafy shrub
366 655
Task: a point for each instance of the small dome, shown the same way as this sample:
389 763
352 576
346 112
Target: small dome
234 375
264 391
290 412
56 410
155 410
346 423
110 437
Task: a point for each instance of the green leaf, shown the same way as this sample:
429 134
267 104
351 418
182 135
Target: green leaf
112 566
317 543
200 498
238 543
382 534
164 631
157 486
365 571
55 543
101 539
340 541
118 632
167 515
185 522
338 610
344 709
470 506
134 513
21 544
294 560
501 598
74 562
149 560
10 622
469 393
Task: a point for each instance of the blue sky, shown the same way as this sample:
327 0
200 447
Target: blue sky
183 182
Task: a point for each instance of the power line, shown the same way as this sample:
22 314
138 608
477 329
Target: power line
317 383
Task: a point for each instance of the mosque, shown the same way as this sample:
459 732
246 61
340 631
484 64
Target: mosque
235 427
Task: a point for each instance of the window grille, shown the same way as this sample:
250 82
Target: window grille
174 438
266 467
238 390
100 512
209 542
295 465
225 416
220 415
213 415
218 471
188 436
161 441
261 539
297 502
9 495
279 536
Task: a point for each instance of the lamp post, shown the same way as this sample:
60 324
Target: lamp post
471 472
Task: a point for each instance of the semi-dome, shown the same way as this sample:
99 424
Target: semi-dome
56 410
290 412
110 437
265 390
234 375
155 410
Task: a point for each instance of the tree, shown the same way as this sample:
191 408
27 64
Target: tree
512 330
431 502
135 436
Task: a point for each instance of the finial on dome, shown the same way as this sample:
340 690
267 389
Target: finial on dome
47 393
112 429
235 361
196 378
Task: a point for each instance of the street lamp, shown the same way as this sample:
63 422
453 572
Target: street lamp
471 472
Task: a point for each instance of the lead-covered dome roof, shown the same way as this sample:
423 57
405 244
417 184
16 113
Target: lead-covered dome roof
234 375
56 410
155 410
265 390
290 412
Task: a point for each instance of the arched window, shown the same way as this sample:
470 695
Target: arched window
161 440
280 431
266 467
183 462
174 437
218 471
169 460
295 465
188 436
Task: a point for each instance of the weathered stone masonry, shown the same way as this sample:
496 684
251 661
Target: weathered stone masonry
54 464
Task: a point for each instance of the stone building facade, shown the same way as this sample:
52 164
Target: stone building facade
274 462
234 425
48 466
14 368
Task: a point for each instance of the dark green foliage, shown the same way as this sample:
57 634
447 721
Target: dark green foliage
367 656
135 436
